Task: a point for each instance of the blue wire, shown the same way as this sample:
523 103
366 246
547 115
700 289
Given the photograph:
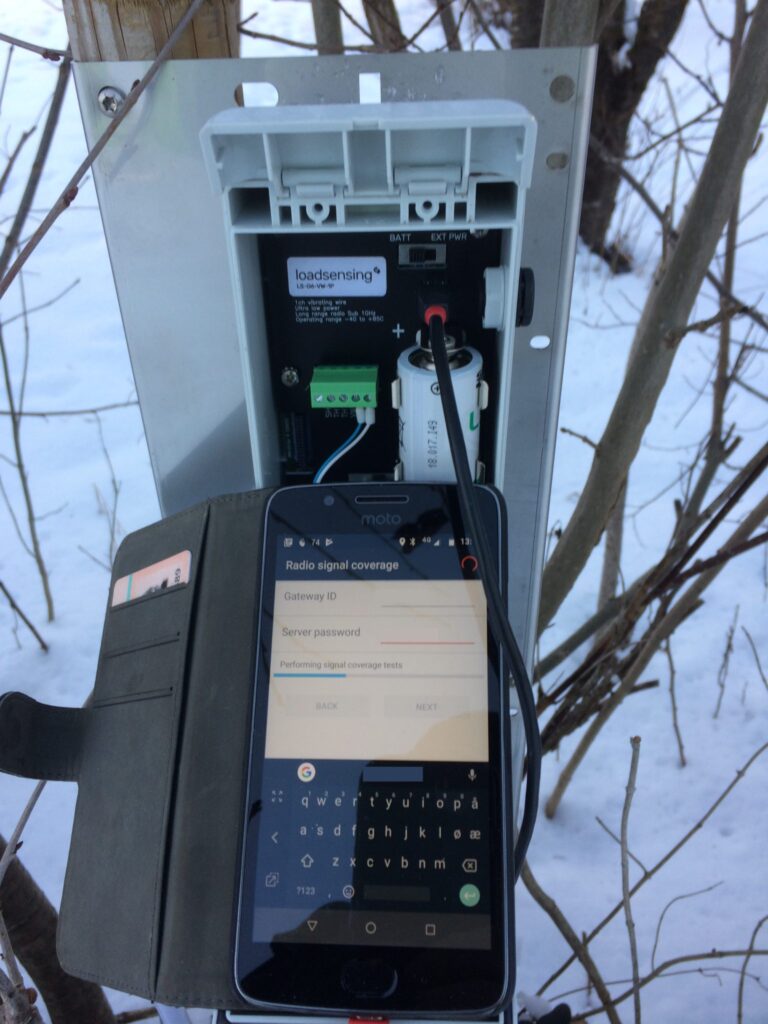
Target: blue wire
339 450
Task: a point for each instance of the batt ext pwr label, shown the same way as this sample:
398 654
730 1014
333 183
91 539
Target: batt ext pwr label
337 275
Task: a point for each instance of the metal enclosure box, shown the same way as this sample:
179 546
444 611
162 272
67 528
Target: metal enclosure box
176 300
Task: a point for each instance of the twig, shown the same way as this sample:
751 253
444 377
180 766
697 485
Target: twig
6 72
748 635
667 619
616 839
14 157
676 899
740 773
725 554
93 558
8 955
660 215
667 648
72 412
580 950
36 171
281 39
12 514
631 781
69 193
482 22
44 51
740 1001
712 954
23 617
727 312
129 1016
34 540
579 437
16 1003
358 24
109 511
722 674
43 305
13 842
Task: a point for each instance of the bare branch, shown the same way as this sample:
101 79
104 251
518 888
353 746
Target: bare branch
14 157
666 647
740 1002
327 22
727 312
668 304
72 412
13 842
483 23
580 950
16 1003
448 21
672 902
661 629
722 674
712 954
616 839
43 305
23 617
638 187
578 436
34 539
635 742
748 635
36 172
740 773
44 51
70 190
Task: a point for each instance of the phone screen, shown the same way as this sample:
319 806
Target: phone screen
375 812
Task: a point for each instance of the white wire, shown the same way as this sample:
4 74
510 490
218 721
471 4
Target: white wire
341 453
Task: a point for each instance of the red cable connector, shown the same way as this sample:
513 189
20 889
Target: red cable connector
435 310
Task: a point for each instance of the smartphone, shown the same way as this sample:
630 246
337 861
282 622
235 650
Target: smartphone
378 832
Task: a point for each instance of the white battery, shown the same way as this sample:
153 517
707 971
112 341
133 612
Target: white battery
425 454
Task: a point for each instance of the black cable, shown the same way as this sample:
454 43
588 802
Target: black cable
497 611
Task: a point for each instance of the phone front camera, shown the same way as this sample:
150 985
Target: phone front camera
329 499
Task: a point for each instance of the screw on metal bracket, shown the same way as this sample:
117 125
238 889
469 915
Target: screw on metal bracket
111 100
290 376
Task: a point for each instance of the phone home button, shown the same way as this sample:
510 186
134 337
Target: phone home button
369 979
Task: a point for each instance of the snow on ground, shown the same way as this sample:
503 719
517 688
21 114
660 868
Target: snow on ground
78 359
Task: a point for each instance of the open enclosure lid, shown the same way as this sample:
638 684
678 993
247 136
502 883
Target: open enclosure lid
459 162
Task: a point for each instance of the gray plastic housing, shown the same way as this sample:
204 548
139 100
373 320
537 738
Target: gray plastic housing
447 165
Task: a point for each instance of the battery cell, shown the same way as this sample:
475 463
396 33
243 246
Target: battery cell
425 454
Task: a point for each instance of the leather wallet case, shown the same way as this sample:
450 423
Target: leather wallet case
160 757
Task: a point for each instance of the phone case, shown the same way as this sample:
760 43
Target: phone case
160 756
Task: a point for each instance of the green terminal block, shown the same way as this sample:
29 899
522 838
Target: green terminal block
343 387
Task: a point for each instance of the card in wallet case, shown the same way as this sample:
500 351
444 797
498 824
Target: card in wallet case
160 757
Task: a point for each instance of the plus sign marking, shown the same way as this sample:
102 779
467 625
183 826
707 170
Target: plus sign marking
398 331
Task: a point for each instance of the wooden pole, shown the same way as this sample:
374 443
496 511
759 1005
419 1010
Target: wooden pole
137 29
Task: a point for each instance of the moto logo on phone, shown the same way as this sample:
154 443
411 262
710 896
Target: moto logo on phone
382 519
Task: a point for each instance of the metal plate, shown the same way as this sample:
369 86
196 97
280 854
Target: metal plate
165 234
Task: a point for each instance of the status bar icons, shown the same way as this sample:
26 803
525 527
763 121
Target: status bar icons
306 771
